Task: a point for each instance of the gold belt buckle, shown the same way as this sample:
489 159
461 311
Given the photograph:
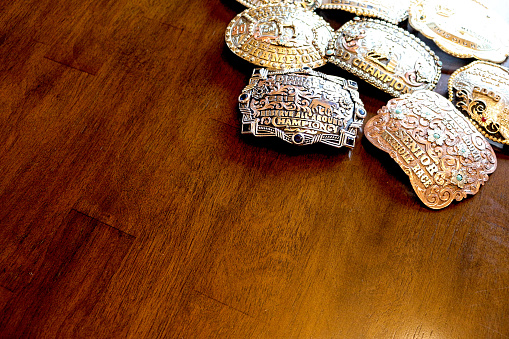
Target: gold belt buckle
481 90
384 55
307 4
302 107
393 11
279 37
462 28
442 153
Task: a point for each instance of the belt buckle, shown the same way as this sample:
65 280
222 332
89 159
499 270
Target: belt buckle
279 37
444 156
306 4
484 37
481 90
302 107
393 11
384 55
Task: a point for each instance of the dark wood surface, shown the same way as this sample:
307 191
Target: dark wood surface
132 207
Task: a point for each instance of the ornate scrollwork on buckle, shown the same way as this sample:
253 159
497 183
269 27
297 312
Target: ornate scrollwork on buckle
279 37
393 11
481 90
302 107
385 56
463 28
306 4
442 153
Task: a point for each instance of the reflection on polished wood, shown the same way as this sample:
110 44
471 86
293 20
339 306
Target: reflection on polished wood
131 206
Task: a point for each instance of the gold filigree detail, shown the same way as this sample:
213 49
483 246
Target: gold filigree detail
445 157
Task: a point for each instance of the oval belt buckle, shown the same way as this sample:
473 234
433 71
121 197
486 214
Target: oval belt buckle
392 11
307 4
481 90
302 107
462 28
384 55
444 156
279 37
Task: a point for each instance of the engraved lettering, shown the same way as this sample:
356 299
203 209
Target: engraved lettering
265 55
277 58
425 160
379 74
432 169
398 86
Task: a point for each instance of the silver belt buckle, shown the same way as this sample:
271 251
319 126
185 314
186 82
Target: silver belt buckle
385 56
302 107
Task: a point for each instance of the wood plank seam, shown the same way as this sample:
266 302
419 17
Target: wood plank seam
7 289
64 64
224 304
84 256
99 221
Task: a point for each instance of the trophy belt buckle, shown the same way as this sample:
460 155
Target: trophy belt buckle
302 107
481 91
306 4
384 55
393 11
484 37
279 37
442 153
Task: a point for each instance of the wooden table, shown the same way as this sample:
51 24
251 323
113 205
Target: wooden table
132 207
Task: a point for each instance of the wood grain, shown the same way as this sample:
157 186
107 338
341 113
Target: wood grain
76 267
132 207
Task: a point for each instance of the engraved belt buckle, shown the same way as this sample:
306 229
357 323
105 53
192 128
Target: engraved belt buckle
393 11
279 37
302 107
462 28
481 90
444 156
384 55
307 4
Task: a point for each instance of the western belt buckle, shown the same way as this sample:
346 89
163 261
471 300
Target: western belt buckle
392 11
481 90
462 28
279 37
443 154
307 4
384 55
302 107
